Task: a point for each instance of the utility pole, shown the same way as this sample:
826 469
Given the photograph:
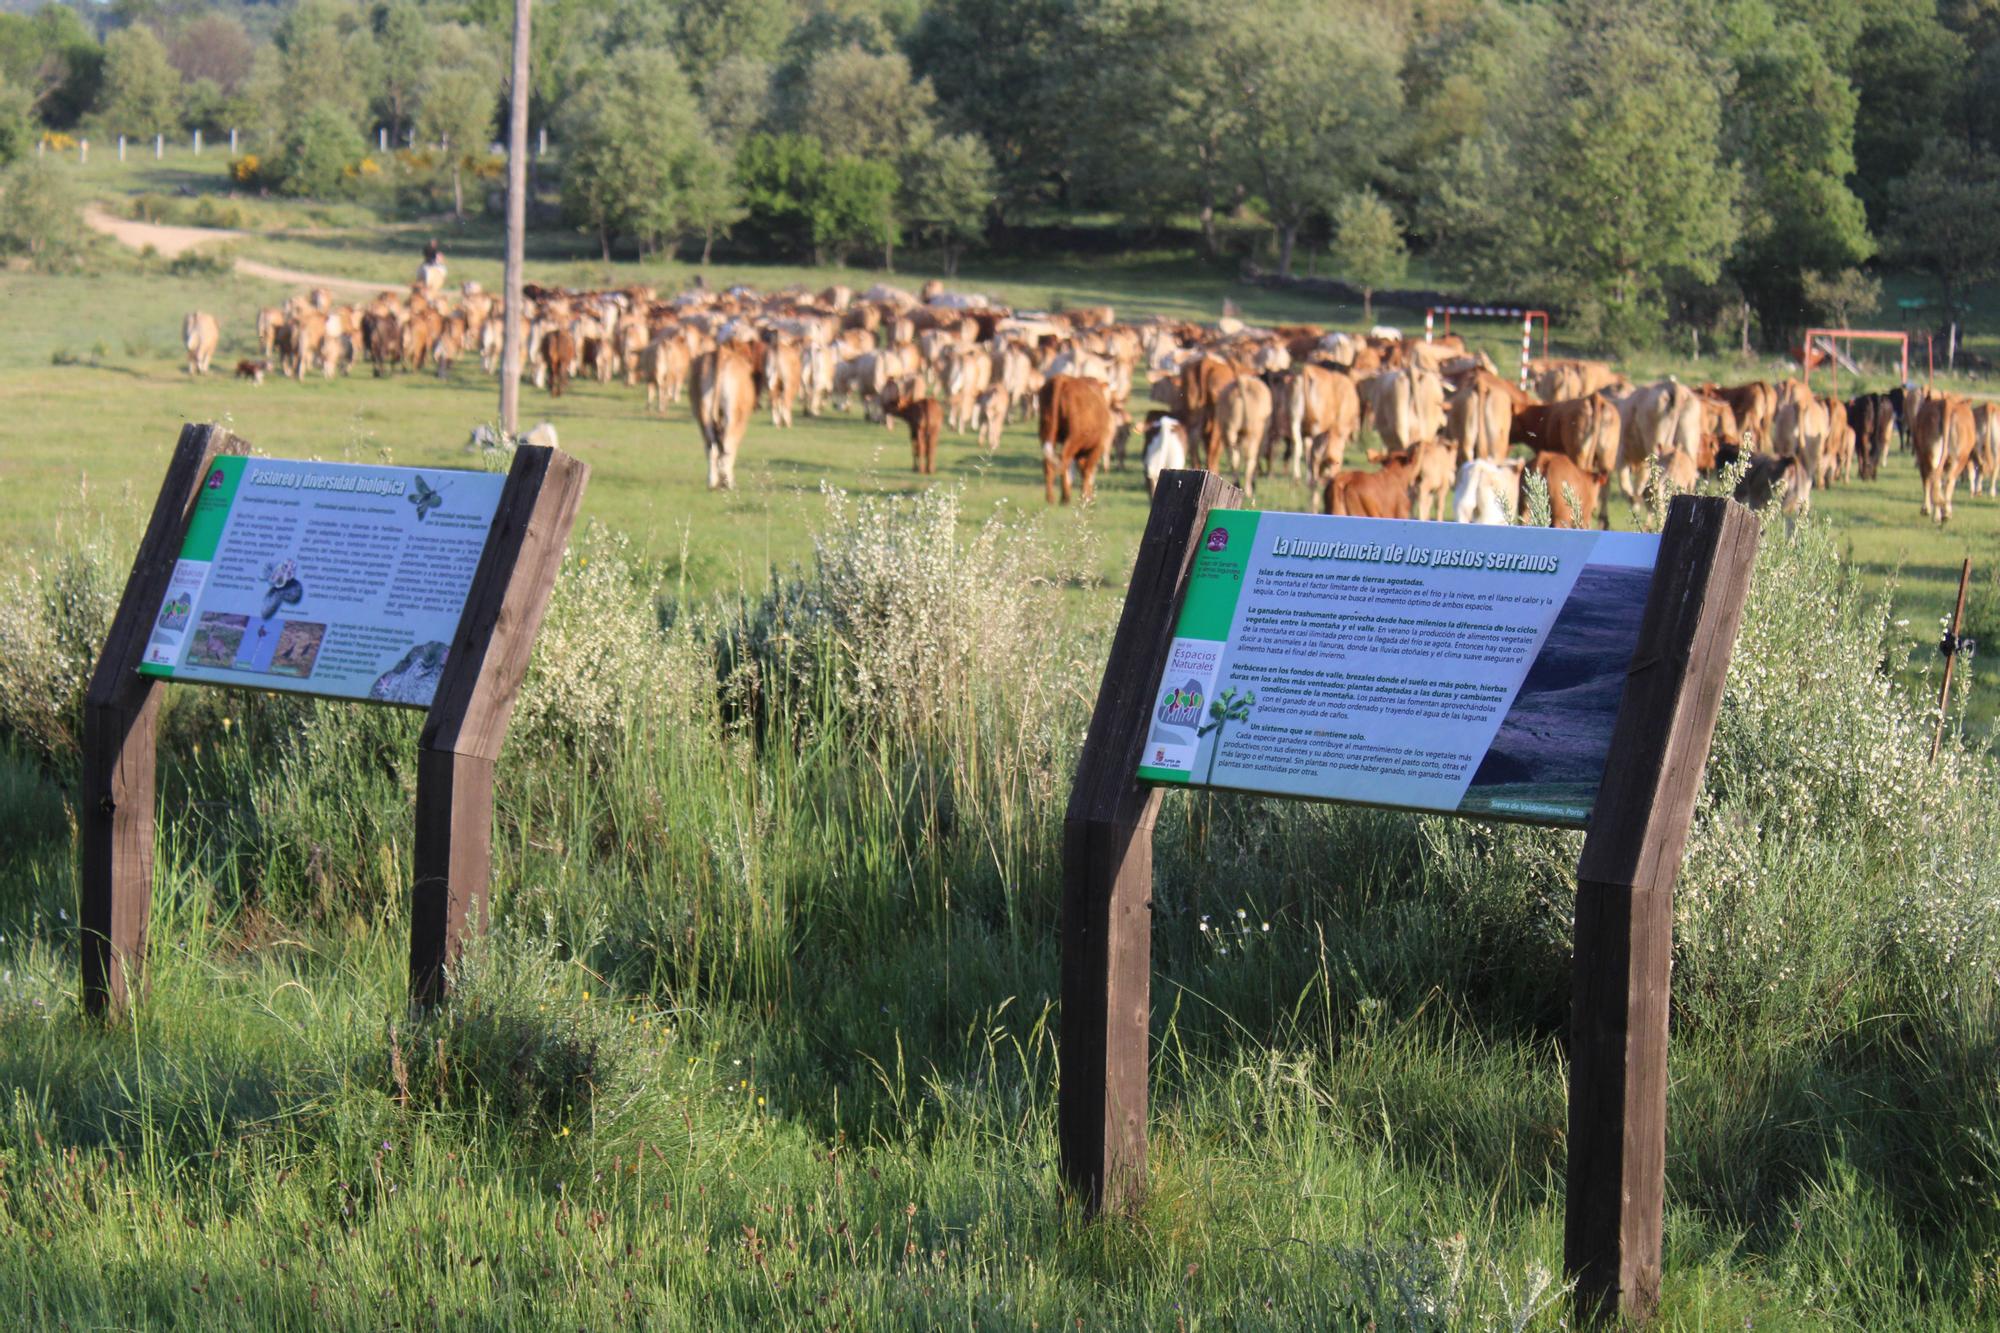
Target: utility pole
517 224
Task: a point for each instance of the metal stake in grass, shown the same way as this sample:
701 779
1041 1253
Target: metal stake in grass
1949 646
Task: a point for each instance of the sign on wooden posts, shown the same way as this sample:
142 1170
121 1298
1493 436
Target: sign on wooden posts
1552 677
422 587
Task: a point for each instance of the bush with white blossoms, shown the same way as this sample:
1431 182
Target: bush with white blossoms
59 606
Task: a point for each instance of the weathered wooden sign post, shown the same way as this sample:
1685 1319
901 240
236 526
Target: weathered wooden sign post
1671 693
467 680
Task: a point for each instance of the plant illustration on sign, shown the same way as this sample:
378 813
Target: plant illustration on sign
1227 708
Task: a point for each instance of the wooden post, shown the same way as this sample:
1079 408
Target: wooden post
512 341
1950 646
474 702
115 814
1624 907
1107 923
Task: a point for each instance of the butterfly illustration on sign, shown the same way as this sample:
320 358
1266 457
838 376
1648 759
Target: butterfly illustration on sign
424 498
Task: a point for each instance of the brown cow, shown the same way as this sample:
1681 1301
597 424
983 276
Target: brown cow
724 397
1573 492
1479 417
1201 382
558 350
1381 494
924 417
1076 432
1322 412
1755 404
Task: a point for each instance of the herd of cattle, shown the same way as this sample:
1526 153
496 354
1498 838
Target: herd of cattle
1223 395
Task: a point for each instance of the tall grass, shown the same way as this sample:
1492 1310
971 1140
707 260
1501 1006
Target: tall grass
765 1030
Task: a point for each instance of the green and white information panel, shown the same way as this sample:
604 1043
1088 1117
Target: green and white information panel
335 579
1425 666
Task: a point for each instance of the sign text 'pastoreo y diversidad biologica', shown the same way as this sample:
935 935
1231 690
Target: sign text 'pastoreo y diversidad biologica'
335 579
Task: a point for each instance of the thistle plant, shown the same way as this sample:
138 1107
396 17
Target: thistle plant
1227 708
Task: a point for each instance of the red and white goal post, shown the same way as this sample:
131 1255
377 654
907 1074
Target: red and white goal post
1527 318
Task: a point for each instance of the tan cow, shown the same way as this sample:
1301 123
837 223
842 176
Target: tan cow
1434 471
1243 418
1799 426
990 415
783 369
1557 378
724 397
664 366
1755 405
1985 466
200 334
1406 406
1479 417
1943 439
1653 419
1837 454
1322 413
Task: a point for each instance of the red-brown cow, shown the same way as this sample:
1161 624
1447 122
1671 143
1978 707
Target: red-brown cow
1076 432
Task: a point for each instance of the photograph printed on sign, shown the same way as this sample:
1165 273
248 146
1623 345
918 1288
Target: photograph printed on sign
1427 666
335 579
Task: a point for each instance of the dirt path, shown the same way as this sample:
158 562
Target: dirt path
172 241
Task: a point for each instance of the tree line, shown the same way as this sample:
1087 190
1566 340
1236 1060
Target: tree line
1738 167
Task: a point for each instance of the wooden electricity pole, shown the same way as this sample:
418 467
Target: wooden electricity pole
517 224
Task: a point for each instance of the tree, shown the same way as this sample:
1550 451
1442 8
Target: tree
38 212
17 125
141 90
1941 220
1368 246
316 152
710 31
1842 297
215 47
1308 138
458 101
632 137
1790 128
710 198
865 105
407 53
1618 188
1007 70
735 98
948 188
53 56
1906 73
802 199
325 60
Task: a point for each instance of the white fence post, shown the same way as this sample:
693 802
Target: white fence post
542 142
121 148
197 143
382 139
232 143
83 152
159 146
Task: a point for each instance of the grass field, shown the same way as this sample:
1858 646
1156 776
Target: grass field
766 1034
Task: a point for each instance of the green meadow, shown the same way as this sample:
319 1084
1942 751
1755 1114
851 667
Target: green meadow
764 1035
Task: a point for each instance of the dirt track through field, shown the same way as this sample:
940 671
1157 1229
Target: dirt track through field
172 241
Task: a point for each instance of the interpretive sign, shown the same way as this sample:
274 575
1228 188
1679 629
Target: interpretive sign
1459 668
336 579
1474 670
398 585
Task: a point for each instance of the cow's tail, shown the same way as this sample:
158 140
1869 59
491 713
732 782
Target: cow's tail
1295 411
707 404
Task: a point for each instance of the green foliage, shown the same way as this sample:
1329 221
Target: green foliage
1006 70
141 92
326 60
633 139
1790 129
1847 299
408 52
1942 212
317 153
39 212
948 189
863 104
17 126
1624 191
1906 72
801 199
1309 139
52 55
1368 247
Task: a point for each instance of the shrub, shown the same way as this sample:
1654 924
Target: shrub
38 212
61 603
244 170
208 262
317 154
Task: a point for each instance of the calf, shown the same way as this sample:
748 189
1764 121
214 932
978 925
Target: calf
1770 475
1573 491
1488 492
1381 494
558 349
924 417
990 412
1166 447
